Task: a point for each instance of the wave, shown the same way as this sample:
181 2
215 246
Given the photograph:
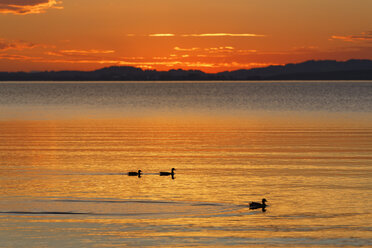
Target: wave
124 208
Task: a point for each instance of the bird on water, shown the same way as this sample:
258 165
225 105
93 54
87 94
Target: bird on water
162 173
135 173
256 205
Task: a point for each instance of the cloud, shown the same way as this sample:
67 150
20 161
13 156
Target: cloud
214 52
84 52
235 64
222 49
162 35
80 54
24 7
17 57
222 35
151 64
204 35
365 36
160 63
145 64
186 49
15 45
213 49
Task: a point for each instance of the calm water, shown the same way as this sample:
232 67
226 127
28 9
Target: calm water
65 149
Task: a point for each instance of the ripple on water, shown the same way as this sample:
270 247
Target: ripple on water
133 208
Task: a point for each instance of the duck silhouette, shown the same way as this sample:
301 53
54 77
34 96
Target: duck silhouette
256 205
162 173
134 173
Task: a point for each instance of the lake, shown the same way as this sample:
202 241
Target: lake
66 148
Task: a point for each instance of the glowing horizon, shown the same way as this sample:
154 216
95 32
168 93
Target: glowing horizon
38 35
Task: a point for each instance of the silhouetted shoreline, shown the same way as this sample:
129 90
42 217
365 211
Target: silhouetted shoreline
309 70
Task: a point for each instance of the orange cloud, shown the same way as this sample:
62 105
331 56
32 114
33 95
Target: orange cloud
164 63
15 45
162 35
222 35
205 35
24 7
225 49
365 36
83 52
91 54
214 52
186 49
17 57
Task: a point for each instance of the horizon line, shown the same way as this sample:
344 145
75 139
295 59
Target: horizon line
37 71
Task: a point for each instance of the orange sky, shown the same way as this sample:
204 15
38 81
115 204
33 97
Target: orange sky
207 35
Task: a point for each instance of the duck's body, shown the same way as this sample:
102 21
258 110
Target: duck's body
255 205
162 173
135 173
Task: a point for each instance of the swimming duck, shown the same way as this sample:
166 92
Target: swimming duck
162 173
255 205
133 173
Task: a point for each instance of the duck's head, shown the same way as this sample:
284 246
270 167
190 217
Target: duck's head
264 200
139 171
173 169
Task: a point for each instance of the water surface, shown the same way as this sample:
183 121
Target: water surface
65 149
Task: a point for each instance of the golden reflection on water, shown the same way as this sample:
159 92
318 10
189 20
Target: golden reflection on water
316 177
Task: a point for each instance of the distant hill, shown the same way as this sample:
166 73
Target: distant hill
309 70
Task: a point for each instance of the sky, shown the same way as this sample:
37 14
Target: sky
207 35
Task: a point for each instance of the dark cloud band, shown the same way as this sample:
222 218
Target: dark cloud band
23 7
